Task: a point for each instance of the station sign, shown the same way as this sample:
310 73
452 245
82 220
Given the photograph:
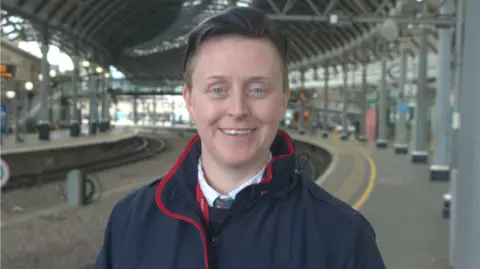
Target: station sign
7 70
4 173
4 118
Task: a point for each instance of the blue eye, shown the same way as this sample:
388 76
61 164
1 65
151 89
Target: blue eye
258 90
217 90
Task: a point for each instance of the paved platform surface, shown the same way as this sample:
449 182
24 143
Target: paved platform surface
58 138
405 208
31 139
396 196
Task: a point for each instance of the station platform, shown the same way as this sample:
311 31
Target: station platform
403 206
60 139
396 196
348 174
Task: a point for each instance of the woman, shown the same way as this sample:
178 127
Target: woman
234 198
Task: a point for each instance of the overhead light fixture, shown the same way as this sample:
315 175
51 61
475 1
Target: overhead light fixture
28 86
10 94
333 19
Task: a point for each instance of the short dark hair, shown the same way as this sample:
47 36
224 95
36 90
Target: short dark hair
244 21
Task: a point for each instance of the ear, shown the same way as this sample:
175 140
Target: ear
187 97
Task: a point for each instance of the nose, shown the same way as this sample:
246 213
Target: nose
238 107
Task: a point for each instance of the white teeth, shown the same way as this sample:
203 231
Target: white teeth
237 132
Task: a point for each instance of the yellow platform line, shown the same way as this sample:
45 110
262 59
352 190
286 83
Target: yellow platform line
355 178
371 182
337 148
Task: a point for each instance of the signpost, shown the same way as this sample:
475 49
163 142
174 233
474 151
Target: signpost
4 119
7 70
4 173
402 108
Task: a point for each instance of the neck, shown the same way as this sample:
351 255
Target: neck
225 179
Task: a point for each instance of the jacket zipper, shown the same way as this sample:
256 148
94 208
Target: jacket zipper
198 226
229 220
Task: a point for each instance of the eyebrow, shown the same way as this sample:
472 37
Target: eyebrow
249 79
258 79
216 77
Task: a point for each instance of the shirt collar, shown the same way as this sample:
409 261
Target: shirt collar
211 194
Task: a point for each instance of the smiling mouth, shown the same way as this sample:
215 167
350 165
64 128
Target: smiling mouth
237 132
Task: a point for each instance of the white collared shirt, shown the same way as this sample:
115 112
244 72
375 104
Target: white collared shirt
211 194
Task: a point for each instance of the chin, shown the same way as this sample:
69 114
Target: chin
236 157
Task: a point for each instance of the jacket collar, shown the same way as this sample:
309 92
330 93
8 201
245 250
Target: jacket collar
181 180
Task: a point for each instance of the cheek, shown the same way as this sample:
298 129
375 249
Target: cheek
205 112
269 112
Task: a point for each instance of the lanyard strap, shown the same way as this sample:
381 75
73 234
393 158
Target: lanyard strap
203 204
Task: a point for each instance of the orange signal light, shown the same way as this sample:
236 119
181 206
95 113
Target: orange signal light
303 97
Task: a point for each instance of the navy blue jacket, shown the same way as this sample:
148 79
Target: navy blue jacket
288 222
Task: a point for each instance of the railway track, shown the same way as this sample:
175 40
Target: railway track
313 161
120 153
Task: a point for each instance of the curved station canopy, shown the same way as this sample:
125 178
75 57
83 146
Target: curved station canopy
145 38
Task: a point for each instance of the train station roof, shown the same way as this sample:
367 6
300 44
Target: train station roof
146 38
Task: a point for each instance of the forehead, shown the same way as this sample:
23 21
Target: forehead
237 56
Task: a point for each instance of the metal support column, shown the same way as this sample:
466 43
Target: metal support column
301 106
93 121
353 92
26 105
108 102
382 106
75 116
346 100
467 204
103 91
325 101
64 106
135 110
313 110
43 115
173 109
440 167
154 114
401 144
314 120
459 41
16 109
363 103
420 149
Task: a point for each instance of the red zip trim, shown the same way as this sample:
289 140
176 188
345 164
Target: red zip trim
291 150
161 185
163 208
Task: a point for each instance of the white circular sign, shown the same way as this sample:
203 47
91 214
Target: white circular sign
389 30
4 173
